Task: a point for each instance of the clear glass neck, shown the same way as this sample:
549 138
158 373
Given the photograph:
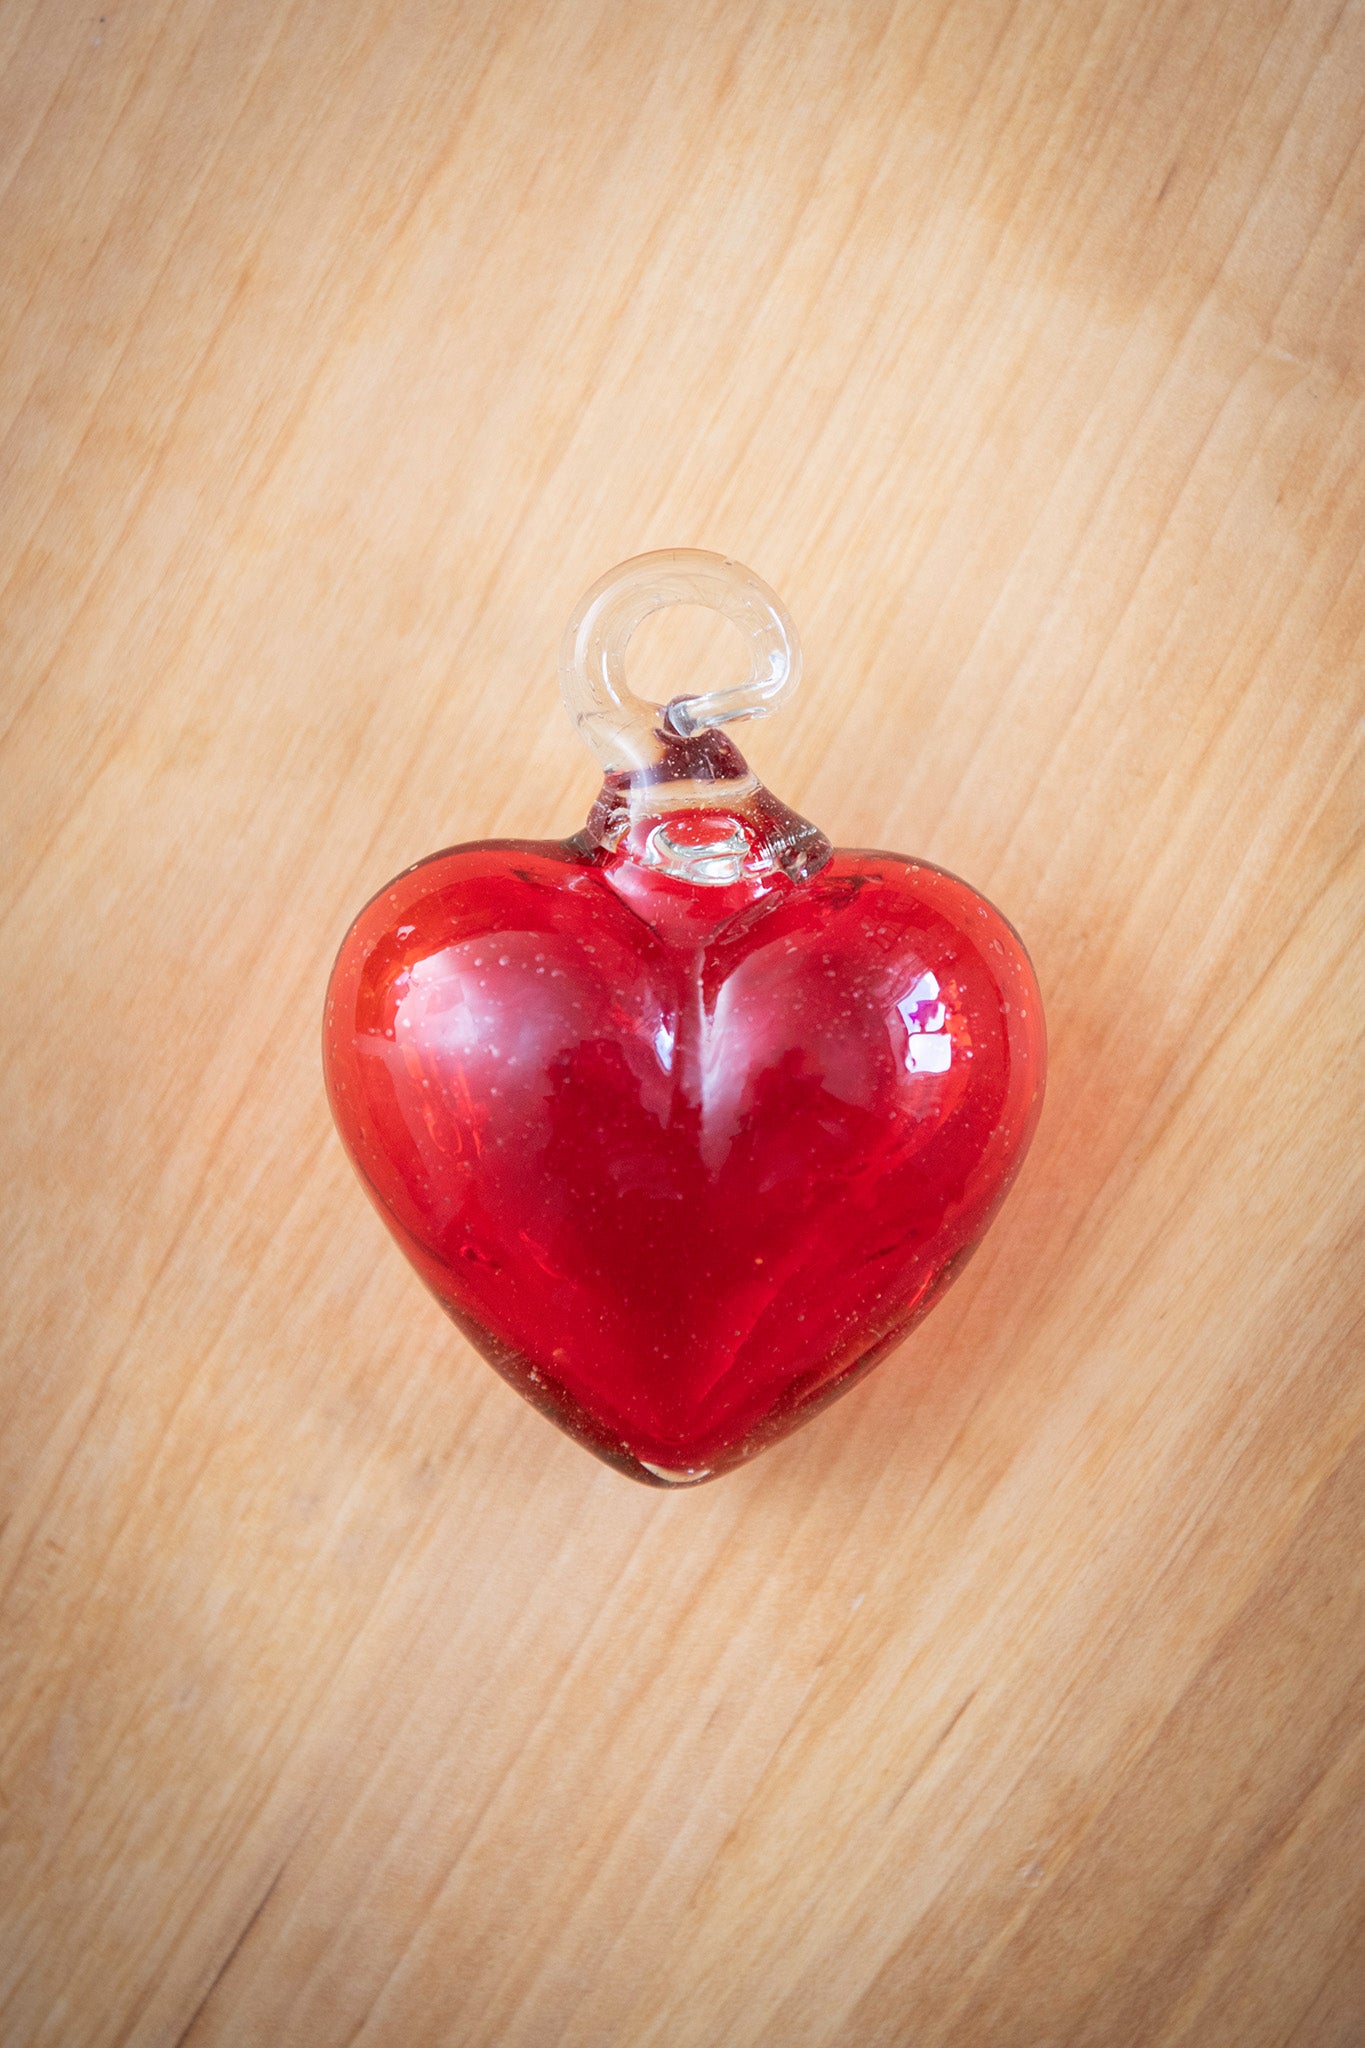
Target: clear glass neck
701 815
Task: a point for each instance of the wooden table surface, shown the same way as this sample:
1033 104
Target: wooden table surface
1020 344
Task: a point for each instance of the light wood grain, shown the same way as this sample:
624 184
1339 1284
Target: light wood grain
1020 344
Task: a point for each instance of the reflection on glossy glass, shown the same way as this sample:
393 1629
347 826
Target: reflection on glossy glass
687 1120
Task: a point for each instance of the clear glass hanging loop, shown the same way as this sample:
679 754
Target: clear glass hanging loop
623 730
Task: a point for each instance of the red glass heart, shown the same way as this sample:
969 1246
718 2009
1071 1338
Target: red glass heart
685 1121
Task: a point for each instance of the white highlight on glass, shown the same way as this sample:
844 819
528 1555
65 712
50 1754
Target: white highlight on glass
929 1049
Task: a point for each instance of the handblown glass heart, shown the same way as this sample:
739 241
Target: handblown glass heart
688 1119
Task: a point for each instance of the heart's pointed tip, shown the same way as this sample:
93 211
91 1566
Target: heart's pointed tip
674 1480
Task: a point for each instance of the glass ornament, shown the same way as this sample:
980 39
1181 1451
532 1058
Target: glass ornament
687 1120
